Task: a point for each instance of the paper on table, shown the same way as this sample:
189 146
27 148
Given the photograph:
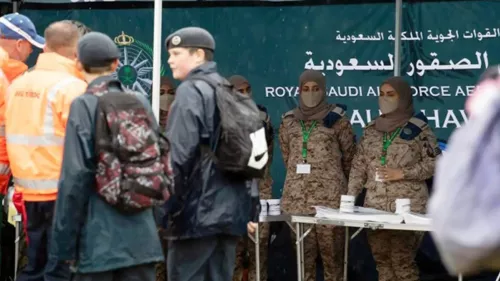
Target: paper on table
360 214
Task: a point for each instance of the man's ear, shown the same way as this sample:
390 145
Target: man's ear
79 65
114 65
200 55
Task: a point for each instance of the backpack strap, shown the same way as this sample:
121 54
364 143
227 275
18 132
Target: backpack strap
414 127
334 115
211 143
262 108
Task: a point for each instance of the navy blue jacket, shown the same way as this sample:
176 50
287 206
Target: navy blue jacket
206 203
86 228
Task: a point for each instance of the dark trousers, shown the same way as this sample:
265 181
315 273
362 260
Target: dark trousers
205 259
39 226
143 272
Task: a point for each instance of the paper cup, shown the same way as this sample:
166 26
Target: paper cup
347 204
274 207
403 206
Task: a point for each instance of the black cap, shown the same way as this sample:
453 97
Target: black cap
96 49
191 37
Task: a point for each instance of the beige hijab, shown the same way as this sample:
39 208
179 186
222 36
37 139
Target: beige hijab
302 112
166 99
391 121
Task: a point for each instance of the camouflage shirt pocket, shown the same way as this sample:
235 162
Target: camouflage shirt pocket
403 153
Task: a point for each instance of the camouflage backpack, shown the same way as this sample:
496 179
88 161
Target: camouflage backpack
133 171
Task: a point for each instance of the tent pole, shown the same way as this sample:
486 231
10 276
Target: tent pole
397 41
155 98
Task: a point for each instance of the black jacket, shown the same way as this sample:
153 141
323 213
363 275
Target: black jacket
205 202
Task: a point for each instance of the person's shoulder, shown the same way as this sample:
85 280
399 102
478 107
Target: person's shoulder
73 84
22 79
83 110
370 129
287 115
84 101
417 125
370 125
203 82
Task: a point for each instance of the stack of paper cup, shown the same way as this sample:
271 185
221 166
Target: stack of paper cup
403 206
347 204
263 207
274 207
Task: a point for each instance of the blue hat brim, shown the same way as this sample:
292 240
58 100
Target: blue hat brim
39 41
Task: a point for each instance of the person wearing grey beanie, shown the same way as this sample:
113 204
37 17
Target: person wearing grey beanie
90 231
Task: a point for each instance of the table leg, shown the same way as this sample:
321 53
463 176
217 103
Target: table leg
257 253
302 256
346 252
299 252
17 242
299 246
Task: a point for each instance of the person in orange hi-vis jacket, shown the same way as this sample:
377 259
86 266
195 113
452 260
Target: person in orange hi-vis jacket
16 41
36 112
14 50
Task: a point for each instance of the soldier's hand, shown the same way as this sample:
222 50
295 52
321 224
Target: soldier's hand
390 174
251 227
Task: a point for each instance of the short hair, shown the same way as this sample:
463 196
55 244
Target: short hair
82 28
99 69
209 54
61 34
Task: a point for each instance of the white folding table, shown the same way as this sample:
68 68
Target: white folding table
302 221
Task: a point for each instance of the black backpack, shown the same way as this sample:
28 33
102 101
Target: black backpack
241 146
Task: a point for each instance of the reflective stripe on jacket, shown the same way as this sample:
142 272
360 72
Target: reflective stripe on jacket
36 114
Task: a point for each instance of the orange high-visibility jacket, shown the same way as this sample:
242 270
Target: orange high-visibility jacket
9 69
36 113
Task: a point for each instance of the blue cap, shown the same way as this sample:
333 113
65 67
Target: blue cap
17 26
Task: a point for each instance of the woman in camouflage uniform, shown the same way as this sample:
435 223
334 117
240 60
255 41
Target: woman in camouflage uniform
317 143
242 85
167 96
400 149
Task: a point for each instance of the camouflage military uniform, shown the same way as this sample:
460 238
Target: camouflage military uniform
413 151
329 152
265 192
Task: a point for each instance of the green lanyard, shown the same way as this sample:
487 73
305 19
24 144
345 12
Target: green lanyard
305 137
387 143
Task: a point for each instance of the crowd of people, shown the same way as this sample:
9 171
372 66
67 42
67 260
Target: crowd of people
49 116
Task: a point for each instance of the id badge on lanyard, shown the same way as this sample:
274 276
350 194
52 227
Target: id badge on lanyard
304 167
